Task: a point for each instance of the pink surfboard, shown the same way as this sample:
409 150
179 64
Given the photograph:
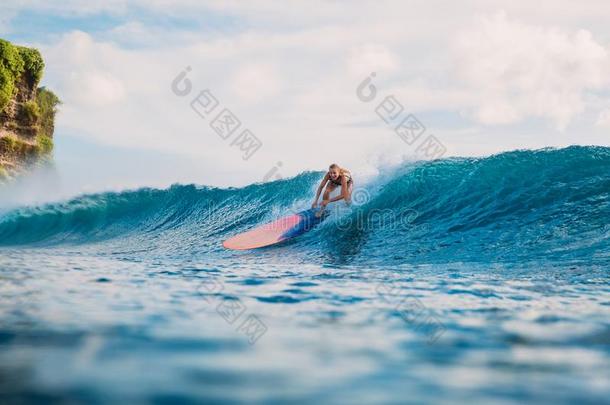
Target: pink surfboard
274 232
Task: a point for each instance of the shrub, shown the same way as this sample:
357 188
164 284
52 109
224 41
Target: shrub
15 147
3 173
45 144
47 105
7 87
14 61
11 58
8 144
11 67
33 63
30 112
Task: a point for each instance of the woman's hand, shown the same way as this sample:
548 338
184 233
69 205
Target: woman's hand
314 205
324 203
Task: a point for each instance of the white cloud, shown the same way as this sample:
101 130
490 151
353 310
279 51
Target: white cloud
81 71
367 58
516 70
255 82
93 88
603 119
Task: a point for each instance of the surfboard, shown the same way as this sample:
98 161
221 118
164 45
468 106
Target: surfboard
277 231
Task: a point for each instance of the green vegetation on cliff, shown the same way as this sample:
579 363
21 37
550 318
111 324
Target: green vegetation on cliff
14 62
27 113
47 108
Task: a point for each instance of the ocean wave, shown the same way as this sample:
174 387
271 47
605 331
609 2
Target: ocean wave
549 203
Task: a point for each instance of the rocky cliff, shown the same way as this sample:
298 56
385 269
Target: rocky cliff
27 113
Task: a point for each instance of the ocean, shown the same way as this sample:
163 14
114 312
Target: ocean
483 280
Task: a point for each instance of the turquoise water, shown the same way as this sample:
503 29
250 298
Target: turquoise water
449 281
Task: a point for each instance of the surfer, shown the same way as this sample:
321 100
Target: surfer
335 177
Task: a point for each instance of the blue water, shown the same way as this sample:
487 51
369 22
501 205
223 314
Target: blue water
482 280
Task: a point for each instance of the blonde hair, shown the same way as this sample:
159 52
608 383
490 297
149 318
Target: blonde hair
334 166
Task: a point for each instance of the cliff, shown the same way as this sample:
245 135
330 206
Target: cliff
27 113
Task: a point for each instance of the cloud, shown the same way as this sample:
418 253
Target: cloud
81 72
367 58
603 119
254 82
95 88
515 70
69 7
289 71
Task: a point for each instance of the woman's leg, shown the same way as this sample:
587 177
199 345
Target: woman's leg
325 197
350 188
329 189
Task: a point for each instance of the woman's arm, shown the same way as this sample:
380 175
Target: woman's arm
320 187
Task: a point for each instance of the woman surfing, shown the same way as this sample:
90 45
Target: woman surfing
335 177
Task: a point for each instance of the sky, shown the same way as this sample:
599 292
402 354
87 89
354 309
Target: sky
148 86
